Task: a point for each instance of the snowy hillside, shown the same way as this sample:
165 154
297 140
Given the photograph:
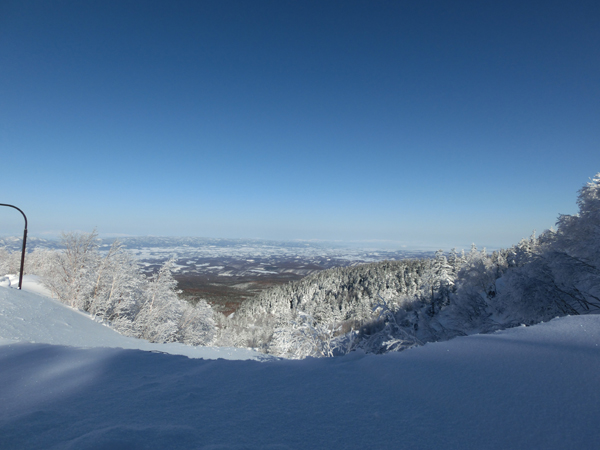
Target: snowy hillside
26 317
523 388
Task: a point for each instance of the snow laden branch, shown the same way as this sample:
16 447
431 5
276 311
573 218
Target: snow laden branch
392 337
303 336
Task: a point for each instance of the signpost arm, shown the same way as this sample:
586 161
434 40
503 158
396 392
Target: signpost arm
24 243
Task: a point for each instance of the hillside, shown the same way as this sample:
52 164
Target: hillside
523 388
395 305
27 317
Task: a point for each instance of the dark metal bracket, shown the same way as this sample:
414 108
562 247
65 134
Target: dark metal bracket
24 243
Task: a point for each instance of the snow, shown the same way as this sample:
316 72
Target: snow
31 283
523 388
26 317
262 271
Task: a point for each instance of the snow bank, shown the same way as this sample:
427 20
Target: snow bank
524 388
27 317
31 283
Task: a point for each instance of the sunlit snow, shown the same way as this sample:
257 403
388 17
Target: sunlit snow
523 388
25 317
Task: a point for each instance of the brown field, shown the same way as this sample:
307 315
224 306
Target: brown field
225 294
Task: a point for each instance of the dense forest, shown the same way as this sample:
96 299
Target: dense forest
378 307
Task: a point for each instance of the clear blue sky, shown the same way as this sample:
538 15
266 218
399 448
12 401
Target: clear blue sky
416 122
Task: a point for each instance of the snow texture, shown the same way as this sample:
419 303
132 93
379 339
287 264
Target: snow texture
25 317
524 388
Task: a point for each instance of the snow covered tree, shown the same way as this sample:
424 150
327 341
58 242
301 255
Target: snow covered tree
71 276
303 336
40 261
161 309
438 280
10 262
197 324
573 252
454 261
119 291
386 333
579 235
559 273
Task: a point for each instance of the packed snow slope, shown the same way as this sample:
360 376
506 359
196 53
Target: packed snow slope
524 388
33 318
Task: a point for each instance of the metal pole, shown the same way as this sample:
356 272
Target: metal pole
24 243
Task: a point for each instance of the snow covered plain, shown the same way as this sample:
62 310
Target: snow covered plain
524 388
238 257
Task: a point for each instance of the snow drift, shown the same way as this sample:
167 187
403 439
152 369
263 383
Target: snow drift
523 388
26 317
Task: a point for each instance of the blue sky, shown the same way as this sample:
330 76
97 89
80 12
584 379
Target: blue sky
427 123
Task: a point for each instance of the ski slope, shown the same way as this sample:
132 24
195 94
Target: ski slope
25 317
66 382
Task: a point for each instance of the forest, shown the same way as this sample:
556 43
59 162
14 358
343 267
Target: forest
377 308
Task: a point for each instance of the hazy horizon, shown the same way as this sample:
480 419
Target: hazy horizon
383 245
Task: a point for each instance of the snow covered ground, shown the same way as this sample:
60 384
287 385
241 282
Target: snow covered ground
25 317
65 384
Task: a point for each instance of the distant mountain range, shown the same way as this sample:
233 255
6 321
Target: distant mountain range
16 243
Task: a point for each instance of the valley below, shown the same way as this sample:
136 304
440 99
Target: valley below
226 272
